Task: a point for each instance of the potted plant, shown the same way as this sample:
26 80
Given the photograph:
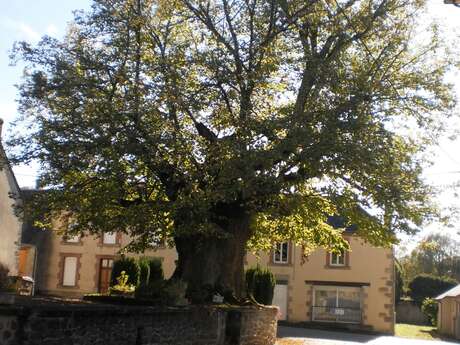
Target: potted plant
7 290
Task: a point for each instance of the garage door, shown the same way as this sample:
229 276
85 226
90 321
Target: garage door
280 299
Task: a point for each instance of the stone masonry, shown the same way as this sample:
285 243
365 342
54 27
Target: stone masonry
115 325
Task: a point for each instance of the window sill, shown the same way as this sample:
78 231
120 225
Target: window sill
68 287
72 243
287 264
109 245
337 267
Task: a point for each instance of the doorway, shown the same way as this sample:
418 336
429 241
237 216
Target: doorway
280 298
105 272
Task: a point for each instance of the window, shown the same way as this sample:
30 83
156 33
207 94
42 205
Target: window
109 238
69 236
337 304
281 253
69 276
337 259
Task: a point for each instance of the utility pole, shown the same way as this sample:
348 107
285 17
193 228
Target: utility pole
453 2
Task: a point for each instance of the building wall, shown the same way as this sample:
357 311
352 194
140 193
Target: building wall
369 266
10 225
448 314
89 251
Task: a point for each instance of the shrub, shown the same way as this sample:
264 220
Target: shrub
156 270
131 269
260 284
151 286
173 292
425 285
399 283
4 278
144 270
430 309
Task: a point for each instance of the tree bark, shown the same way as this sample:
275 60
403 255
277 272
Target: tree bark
210 263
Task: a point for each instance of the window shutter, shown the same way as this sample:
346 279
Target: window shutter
70 271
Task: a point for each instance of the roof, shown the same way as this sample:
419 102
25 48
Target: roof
338 222
454 292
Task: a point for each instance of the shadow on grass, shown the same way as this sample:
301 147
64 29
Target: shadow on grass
436 336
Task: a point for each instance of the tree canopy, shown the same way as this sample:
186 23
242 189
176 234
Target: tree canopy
221 119
436 254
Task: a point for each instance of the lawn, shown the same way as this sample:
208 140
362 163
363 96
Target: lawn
416 332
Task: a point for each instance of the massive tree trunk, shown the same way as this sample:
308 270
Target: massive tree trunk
207 262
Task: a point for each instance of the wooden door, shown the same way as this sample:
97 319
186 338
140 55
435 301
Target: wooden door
280 299
105 271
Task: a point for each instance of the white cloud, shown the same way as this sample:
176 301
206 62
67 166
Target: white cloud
8 111
52 30
21 29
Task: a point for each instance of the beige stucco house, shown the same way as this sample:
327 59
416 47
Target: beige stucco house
355 289
449 313
10 224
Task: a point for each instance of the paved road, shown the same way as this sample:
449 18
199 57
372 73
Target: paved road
320 337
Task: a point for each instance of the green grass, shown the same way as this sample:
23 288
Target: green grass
416 332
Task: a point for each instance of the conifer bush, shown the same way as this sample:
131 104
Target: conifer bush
144 270
260 284
156 270
131 268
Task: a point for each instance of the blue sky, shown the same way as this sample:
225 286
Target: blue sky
30 19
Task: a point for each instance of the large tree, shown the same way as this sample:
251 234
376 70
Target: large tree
228 124
436 254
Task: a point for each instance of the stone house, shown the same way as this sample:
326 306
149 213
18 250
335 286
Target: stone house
10 224
449 313
353 290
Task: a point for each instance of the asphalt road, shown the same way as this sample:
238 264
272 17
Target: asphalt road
321 337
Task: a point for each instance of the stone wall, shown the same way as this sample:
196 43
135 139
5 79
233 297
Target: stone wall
114 325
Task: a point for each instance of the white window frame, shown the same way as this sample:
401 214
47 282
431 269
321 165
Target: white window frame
105 238
279 247
337 260
69 279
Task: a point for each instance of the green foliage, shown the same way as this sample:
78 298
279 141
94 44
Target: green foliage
122 286
260 284
425 285
156 270
430 309
174 292
436 254
152 284
399 282
5 280
131 268
171 119
164 292
144 271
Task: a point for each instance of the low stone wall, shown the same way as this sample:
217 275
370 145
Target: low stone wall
114 325
409 312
